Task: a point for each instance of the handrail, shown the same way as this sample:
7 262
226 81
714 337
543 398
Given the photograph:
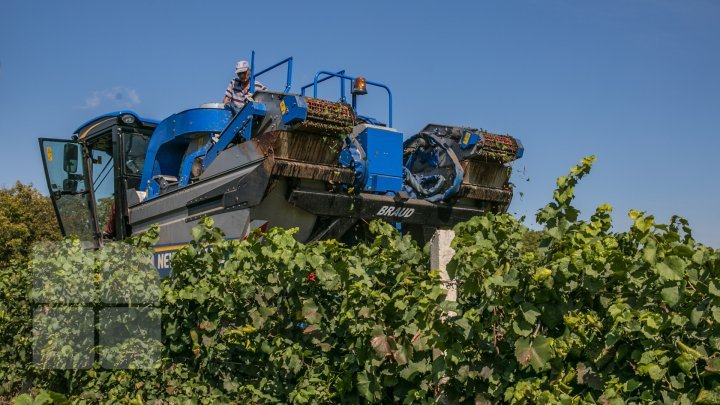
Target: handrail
253 75
376 84
340 74
344 77
342 85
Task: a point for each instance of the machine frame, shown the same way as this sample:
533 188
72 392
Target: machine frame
242 172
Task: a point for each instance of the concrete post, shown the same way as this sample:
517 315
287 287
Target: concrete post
440 255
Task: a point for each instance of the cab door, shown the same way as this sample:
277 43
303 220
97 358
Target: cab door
70 190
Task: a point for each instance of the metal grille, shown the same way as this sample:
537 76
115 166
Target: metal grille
327 117
499 148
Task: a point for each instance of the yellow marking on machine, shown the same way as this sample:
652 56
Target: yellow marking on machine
167 248
84 134
48 151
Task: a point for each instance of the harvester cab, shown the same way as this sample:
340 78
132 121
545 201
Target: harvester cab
284 159
89 176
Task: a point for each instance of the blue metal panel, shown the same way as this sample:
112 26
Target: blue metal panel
384 153
293 109
469 139
170 140
380 183
198 120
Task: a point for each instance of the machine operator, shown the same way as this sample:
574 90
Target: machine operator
237 93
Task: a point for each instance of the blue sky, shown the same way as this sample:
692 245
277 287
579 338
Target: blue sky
635 82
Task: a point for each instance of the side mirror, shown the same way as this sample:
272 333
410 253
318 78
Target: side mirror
70 186
70 158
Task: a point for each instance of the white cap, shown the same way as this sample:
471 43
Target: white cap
242 66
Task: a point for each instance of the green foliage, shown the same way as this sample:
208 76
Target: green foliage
15 329
590 316
271 319
26 217
575 313
42 397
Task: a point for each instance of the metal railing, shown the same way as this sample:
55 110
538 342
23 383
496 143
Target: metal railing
342 85
342 78
253 75
325 76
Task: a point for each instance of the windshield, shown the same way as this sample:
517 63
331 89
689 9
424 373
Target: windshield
102 172
135 147
68 188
